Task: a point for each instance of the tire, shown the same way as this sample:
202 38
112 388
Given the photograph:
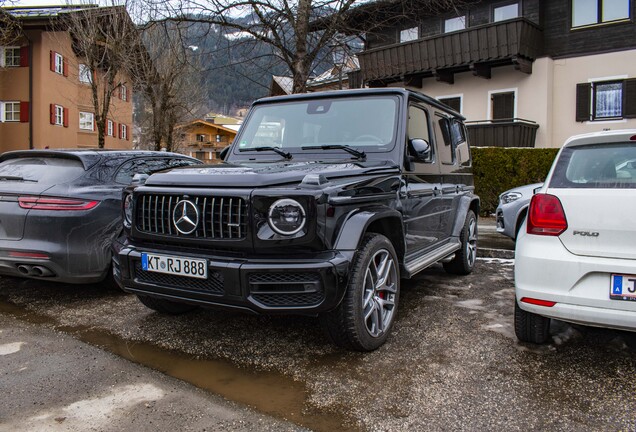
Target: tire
109 282
530 327
165 306
465 257
519 224
367 295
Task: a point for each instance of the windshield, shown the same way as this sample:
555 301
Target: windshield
606 166
363 123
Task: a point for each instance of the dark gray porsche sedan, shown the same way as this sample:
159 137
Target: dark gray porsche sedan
60 210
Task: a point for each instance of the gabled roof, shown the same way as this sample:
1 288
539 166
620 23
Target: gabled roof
205 123
283 83
36 12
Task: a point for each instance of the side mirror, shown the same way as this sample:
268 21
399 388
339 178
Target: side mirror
420 150
139 179
224 152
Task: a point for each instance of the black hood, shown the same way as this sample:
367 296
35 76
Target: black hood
255 175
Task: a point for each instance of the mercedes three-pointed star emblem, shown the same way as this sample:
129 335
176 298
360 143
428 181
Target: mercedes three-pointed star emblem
185 217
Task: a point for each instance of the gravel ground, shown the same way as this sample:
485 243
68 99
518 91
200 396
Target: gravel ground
452 362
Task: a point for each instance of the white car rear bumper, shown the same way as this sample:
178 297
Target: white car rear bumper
580 285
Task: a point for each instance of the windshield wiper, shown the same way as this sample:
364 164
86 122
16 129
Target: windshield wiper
274 149
16 178
357 153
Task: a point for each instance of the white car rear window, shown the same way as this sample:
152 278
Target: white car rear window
609 166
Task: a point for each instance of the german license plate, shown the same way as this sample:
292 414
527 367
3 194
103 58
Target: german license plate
181 266
623 287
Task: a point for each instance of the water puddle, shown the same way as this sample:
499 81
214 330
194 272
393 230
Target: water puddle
268 392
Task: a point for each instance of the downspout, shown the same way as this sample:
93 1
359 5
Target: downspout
30 91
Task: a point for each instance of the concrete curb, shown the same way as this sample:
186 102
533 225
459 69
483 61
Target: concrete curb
495 253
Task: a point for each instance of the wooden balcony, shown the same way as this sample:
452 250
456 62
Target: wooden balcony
502 133
517 41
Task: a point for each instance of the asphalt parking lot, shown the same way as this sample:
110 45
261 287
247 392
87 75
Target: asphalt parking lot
452 362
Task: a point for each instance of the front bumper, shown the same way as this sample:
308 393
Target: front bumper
580 285
266 285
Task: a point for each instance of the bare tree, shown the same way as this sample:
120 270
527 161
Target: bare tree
104 39
168 83
298 30
10 28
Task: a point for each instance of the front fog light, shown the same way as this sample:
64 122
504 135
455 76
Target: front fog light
128 209
286 216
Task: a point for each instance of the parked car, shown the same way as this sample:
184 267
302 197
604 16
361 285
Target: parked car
317 211
60 210
575 259
513 207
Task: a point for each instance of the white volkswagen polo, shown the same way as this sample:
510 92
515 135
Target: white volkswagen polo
576 257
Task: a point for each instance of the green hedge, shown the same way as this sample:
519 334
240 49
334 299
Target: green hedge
498 169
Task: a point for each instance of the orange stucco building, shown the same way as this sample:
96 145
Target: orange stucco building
45 91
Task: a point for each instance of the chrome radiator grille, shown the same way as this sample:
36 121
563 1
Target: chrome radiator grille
219 218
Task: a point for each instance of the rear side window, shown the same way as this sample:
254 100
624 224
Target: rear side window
596 166
148 166
43 170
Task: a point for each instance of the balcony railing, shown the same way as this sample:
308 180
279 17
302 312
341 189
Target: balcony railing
502 133
517 41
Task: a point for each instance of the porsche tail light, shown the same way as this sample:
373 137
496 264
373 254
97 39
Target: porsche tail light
546 216
50 203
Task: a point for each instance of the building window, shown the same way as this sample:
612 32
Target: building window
502 105
10 57
59 64
607 100
202 138
10 111
85 75
454 24
610 99
409 34
123 92
59 115
589 12
454 102
86 121
218 138
124 132
506 12
109 128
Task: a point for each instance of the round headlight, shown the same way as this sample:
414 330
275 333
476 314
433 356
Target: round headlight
128 209
286 216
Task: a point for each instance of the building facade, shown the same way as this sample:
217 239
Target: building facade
524 73
205 140
45 91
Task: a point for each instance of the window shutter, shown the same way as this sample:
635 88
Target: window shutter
503 106
119 130
24 112
119 92
127 133
629 98
52 61
114 129
65 117
64 67
24 56
583 100
52 113
127 94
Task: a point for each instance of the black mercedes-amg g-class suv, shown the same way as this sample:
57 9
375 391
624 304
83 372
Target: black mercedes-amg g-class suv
323 202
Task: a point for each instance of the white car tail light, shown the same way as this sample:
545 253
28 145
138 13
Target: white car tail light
546 216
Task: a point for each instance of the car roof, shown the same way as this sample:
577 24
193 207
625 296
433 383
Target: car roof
611 136
362 92
88 157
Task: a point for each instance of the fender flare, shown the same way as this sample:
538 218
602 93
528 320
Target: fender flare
356 224
465 204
